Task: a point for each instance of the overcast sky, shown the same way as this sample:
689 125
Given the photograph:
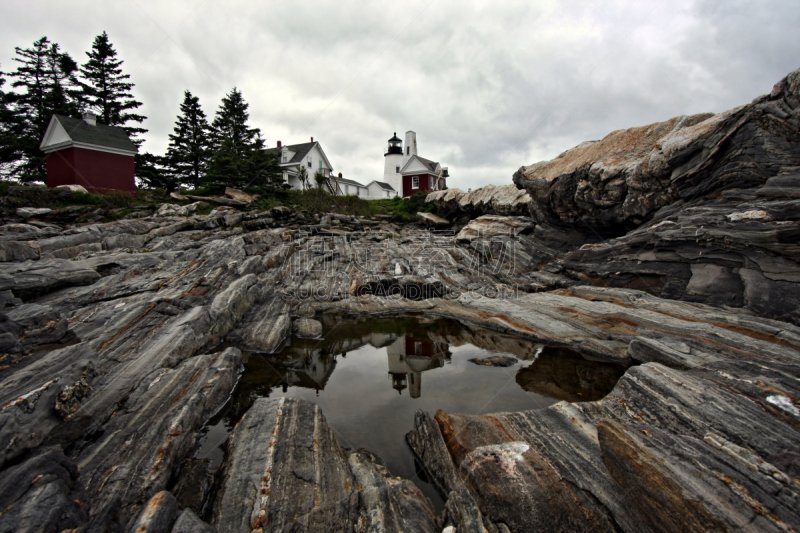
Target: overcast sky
487 86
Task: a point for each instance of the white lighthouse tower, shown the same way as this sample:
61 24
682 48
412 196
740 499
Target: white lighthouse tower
393 161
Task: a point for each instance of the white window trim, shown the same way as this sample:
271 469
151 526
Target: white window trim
415 182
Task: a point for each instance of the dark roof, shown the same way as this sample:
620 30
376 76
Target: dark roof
99 135
428 163
348 182
300 151
383 185
395 138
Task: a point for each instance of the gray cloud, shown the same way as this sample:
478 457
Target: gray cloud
487 86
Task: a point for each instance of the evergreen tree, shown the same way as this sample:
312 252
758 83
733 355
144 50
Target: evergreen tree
264 169
151 172
106 90
238 158
47 81
189 146
9 133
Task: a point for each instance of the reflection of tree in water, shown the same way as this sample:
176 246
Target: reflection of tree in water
564 374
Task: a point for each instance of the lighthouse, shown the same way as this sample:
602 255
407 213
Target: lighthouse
393 160
407 172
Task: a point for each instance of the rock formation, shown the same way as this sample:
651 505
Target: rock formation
121 339
504 200
702 208
619 182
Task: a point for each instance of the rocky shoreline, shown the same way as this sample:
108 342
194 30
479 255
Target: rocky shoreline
112 362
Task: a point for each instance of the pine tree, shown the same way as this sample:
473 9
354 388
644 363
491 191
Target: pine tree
9 133
264 170
106 90
189 146
152 172
238 158
47 79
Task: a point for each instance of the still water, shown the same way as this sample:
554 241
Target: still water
369 375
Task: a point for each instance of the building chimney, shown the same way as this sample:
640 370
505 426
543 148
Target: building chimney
340 174
90 118
411 146
279 144
312 139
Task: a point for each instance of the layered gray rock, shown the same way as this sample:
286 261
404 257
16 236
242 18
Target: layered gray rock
621 180
307 328
111 361
41 493
158 515
432 221
671 447
699 208
286 470
707 251
488 227
504 200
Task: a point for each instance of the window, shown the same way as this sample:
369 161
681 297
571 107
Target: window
415 182
408 150
309 162
320 164
430 182
397 170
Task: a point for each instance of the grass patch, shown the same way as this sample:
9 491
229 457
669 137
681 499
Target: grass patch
320 201
204 208
312 201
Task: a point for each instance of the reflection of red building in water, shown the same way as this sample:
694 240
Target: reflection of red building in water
410 357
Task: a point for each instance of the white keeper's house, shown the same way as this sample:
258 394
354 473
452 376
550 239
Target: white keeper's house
292 157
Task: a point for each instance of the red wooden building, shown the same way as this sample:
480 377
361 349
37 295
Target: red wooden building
83 152
420 174
408 173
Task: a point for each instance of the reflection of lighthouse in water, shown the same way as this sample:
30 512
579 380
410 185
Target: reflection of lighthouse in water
409 358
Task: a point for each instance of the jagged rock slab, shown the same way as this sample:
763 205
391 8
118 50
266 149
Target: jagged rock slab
387 503
158 515
489 227
36 399
150 298
43 494
285 469
307 328
668 448
621 180
154 430
708 251
432 221
188 522
506 200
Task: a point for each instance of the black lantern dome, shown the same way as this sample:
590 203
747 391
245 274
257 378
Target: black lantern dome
394 145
